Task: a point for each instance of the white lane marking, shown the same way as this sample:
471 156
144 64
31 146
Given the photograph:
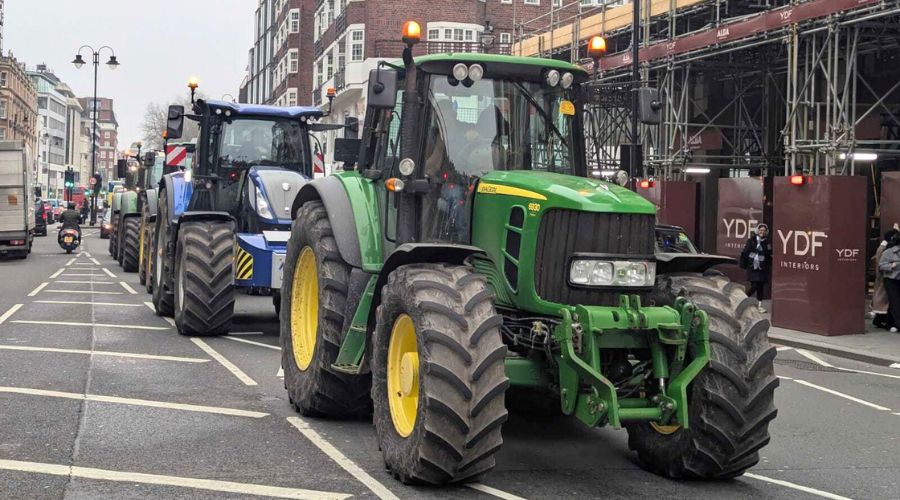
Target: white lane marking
243 377
86 282
493 491
783 348
38 289
183 482
842 395
72 323
150 305
245 341
894 365
280 373
244 333
370 482
80 253
783 377
128 288
788 484
83 291
814 358
105 270
103 353
87 254
170 321
116 304
57 273
135 402
71 261
84 275
12 310
95 261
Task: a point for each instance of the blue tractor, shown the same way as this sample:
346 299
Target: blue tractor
223 224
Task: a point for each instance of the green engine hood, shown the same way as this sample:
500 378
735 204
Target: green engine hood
565 191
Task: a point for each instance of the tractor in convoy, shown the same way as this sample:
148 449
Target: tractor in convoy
468 261
224 224
127 225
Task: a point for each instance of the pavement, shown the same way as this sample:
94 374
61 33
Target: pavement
101 398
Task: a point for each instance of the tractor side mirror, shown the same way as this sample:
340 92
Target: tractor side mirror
346 150
175 122
121 168
351 127
382 92
149 159
650 106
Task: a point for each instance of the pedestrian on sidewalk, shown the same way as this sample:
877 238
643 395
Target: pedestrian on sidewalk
880 303
889 264
756 258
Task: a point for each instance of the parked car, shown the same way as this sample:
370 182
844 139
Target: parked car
48 209
673 239
106 224
41 216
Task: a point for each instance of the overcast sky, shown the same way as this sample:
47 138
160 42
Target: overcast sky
160 43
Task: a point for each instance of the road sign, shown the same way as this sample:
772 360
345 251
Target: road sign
93 181
175 156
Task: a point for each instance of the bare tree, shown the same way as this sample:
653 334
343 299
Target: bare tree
155 119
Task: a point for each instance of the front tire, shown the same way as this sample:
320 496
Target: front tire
149 257
204 278
131 236
438 376
731 400
312 314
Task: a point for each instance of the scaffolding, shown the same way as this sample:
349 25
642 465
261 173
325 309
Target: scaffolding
750 86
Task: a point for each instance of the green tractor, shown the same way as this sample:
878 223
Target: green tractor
127 220
467 263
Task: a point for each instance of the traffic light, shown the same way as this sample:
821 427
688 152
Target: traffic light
69 181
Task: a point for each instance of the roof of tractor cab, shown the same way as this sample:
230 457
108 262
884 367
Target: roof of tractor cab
293 112
474 57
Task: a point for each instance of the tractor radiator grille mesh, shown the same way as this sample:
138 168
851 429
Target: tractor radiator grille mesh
566 232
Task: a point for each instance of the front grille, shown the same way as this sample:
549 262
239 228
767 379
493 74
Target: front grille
566 232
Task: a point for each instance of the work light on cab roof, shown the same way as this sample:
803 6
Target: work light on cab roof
412 32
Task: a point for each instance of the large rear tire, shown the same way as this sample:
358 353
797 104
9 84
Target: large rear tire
438 376
312 313
204 278
731 401
163 298
149 256
131 236
114 238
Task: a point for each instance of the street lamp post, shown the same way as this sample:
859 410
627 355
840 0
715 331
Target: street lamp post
113 63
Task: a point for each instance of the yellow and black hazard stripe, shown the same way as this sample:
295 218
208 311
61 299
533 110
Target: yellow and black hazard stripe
244 267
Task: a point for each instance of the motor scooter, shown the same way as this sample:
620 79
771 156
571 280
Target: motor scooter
68 239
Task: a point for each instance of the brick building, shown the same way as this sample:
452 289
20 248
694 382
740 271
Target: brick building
18 105
352 36
107 133
281 56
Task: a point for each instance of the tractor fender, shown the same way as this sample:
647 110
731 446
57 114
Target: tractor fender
178 194
330 190
419 253
152 202
669 263
200 216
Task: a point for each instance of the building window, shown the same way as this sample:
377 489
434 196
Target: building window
295 61
505 38
505 1
292 97
434 34
295 21
106 134
532 2
3 109
2 78
453 32
2 134
357 44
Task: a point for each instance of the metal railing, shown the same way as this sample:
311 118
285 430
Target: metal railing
394 48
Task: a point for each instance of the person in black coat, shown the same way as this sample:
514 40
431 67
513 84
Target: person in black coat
756 258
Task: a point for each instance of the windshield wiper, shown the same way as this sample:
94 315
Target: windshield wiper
542 111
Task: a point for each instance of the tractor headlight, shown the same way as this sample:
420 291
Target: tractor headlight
262 206
625 273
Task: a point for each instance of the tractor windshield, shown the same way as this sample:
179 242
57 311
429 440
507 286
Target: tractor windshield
245 143
497 125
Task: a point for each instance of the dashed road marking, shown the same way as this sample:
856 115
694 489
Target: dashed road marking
107 271
78 302
134 402
128 288
280 373
72 323
826 364
808 355
370 482
243 377
170 321
783 348
71 261
95 261
84 275
788 484
86 282
12 310
258 344
57 273
103 353
183 482
244 333
493 491
842 395
38 289
83 291
87 254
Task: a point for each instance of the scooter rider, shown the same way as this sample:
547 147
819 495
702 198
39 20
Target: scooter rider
70 219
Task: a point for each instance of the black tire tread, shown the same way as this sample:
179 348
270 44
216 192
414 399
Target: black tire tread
206 256
131 244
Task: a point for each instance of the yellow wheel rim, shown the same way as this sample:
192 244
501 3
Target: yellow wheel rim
403 375
304 308
665 429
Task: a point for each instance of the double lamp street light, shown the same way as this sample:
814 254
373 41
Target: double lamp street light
113 63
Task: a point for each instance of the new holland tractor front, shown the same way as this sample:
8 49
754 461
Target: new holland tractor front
468 255
223 224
